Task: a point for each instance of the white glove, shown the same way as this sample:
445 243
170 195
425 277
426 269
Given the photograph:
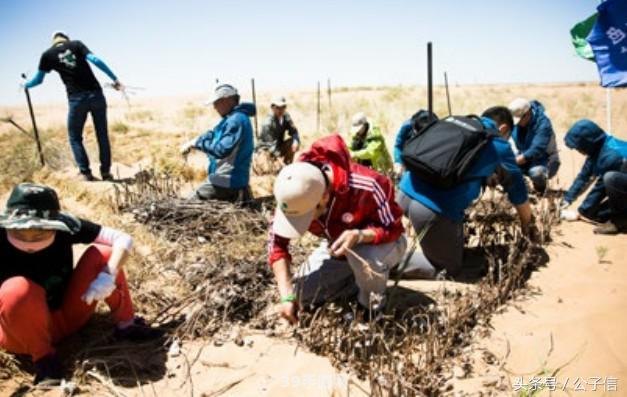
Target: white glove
569 215
187 147
101 288
398 169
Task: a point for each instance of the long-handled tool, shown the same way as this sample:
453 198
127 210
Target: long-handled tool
32 117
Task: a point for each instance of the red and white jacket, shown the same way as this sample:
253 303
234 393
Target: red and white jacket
361 198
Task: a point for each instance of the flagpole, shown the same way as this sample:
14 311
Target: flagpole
608 105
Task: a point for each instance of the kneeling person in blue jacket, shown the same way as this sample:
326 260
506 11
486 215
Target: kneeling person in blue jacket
534 138
229 147
441 211
606 161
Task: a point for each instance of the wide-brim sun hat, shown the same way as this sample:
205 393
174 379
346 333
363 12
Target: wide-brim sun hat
33 206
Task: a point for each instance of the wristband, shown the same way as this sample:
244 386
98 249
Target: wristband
288 298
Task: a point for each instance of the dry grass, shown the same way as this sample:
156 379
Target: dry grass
178 287
408 352
411 351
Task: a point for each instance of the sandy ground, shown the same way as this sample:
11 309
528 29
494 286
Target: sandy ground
574 323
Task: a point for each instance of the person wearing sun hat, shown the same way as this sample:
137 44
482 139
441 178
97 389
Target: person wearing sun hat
273 131
37 277
352 208
368 145
534 139
229 147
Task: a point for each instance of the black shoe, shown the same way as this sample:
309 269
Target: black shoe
88 176
138 331
107 176
48 368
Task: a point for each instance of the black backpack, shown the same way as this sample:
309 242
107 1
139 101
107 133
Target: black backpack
442 152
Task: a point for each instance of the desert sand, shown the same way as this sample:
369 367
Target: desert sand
574 321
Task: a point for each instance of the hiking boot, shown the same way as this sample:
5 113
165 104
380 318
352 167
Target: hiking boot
138 331
607 228
88 176
48 368
107 176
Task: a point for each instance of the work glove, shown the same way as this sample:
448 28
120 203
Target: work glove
118 86
569 215
99 289
188 146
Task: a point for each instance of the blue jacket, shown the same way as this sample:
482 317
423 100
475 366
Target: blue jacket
603 153
452 203
536 141
401 137
229 147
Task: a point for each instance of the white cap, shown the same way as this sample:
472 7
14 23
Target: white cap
359 120
519 107
298 189
279 102
222 91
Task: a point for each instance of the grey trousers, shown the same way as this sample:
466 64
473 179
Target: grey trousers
208 191
322 277
441 247
540 174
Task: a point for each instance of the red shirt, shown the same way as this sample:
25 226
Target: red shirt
361 198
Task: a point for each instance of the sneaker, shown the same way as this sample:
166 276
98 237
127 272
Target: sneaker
138 331
88 177
107 176
48 368
607 228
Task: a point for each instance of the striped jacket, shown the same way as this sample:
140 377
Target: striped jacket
361 199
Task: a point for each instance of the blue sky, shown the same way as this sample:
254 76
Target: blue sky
180 47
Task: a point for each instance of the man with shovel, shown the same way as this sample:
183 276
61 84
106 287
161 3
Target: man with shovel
350 206
70 59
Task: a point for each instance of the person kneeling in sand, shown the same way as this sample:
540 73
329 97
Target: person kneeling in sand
43 298
229 148
606 161
349 205
437 213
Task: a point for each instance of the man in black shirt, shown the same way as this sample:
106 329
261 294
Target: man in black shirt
69 58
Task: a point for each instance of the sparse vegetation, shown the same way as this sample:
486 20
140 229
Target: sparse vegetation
191 111
158 261
601 251
139 116
119 127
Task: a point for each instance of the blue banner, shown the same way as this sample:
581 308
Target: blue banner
608 40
